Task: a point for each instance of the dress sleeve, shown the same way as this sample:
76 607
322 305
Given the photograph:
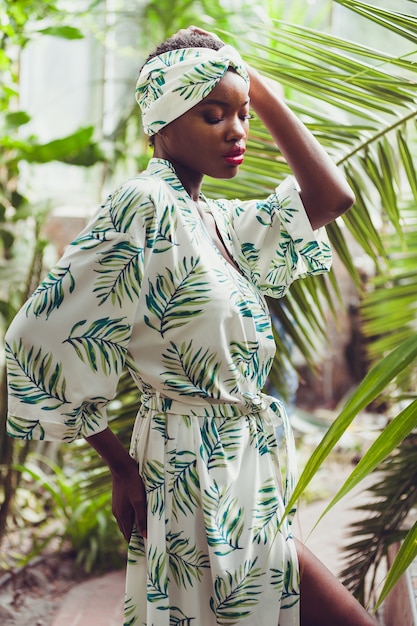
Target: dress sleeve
67 346
273 242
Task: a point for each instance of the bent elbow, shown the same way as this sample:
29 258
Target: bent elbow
341 202
346 200
336 205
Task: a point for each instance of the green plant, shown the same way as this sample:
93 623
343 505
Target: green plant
384 521
360 102
67 518
21 242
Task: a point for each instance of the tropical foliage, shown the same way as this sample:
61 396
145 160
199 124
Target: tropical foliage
359 100
81 525
21 244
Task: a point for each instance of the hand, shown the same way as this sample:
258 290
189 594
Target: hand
129 503
196 29
129 497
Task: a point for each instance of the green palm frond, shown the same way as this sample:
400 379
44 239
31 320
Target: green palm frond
383 521
178 618
34 377
221 438
177 295
102 344
403 560
372 385
389 307
185 484
22 428
259 439
355 99
120 273
236 592
88 415
124 208
136 547
186 562
50 293
167 226
265 509
153 477
129 612
225 525
290 592
190 372
157 589
199 82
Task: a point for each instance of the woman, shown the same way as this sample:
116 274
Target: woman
171 284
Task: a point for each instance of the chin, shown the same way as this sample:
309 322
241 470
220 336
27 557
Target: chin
229 174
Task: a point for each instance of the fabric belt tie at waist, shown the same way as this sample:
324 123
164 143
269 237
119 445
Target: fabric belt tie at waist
270 409
253 403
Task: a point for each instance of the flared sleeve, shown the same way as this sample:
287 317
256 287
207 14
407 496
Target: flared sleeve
67 346
273 242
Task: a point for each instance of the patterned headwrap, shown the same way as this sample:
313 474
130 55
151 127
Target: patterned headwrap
173 82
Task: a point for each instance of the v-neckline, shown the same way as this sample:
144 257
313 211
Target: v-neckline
209 222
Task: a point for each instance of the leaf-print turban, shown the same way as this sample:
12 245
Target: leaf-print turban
171 83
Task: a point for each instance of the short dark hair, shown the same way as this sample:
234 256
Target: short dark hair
186 39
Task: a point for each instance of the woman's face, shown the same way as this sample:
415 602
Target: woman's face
210 138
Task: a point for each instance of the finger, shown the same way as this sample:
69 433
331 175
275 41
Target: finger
201 31
141 522
126 526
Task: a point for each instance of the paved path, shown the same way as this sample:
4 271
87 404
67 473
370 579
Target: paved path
95 602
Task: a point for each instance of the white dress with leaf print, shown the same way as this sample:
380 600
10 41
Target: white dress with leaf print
144 286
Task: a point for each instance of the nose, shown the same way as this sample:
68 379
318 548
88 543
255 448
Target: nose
237 129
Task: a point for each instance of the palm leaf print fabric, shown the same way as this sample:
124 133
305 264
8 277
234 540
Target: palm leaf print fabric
173 82
145 287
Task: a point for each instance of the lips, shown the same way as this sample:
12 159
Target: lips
234 156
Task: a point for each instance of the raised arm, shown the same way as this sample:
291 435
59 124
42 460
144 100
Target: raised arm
324 190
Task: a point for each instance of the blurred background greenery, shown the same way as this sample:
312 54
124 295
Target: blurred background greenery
70 130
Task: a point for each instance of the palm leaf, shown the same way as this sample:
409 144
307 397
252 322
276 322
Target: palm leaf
120 273
186 563
185 484
177 295
406 555
382 520
34 378
374 382
153 477
220 438
157 576
190 372
226 520
355 101
391 437
50 293
235 593
266 507
101 344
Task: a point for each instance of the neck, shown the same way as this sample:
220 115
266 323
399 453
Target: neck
191 180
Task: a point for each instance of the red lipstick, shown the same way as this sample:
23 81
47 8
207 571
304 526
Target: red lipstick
234 156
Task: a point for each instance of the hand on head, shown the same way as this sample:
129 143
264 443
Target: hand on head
196 29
